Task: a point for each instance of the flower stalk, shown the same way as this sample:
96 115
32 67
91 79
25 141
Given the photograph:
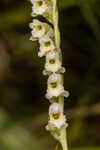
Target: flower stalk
49 40
55 22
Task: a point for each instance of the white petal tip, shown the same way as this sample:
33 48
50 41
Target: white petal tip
66 94
44 72
63 70
32 39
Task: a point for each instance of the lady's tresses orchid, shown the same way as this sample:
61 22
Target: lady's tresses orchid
49 40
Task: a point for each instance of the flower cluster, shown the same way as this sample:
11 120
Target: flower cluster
44 33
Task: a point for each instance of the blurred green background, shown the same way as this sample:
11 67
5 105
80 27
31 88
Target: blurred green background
23 107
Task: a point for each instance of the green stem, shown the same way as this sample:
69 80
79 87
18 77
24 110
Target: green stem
55 23
61 101
63 138
63 134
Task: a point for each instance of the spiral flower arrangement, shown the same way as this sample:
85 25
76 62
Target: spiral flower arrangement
48 35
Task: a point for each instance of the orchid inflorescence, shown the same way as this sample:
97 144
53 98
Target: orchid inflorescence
48 36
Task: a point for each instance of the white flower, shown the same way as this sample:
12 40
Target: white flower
57 119
53 63
46 45
38 28
55 108
39 7
55 86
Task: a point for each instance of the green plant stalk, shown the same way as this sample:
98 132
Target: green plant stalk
55 23
63 139
63 134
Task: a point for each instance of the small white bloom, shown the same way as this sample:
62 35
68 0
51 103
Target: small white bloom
38 28
57 119
46 45
53 63
55 108
39 7
55 86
